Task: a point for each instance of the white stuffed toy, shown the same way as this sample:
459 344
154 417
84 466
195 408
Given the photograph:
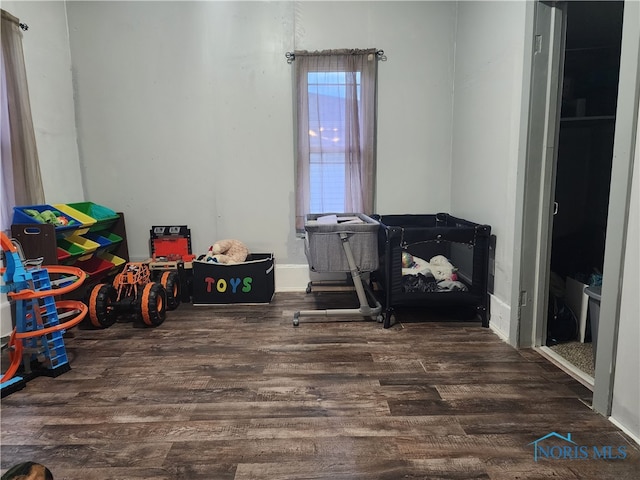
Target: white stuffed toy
227 251
442 269
438 266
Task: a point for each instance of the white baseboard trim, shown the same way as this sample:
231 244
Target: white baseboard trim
292 278
499 333
296 277
500 316
633 436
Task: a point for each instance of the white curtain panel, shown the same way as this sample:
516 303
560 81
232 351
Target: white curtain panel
19 143
352 75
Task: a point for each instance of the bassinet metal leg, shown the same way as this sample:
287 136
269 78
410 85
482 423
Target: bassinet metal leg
362 290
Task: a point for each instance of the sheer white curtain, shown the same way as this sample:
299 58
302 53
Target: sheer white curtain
336 120
21 179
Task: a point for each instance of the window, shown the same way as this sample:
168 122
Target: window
335 165
327 149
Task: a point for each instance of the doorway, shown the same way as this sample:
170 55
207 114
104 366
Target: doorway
585 136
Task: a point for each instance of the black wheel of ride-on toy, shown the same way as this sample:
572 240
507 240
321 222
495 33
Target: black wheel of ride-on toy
171 283
153 304
101 311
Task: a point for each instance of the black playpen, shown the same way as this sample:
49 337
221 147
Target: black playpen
412 249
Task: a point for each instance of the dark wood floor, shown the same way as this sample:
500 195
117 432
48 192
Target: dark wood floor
239 393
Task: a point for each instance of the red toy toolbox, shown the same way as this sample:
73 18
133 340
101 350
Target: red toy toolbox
171 243
171 250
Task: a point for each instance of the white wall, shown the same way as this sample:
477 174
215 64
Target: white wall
486 130
626 390
415 90
184 110
625 408
183 118
48 65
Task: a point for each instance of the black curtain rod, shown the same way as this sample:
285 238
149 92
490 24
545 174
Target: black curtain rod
291 56
7 16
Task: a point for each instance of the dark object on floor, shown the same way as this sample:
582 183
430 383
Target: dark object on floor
562 323
28 471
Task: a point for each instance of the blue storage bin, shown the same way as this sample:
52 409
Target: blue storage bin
20 216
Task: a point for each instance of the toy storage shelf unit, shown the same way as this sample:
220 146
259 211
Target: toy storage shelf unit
343 242
464 243
91 237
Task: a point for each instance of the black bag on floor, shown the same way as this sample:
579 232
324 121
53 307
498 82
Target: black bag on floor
562 323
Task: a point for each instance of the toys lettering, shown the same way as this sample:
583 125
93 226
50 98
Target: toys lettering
222 286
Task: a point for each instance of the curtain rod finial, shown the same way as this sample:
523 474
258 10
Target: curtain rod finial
290 57
23 26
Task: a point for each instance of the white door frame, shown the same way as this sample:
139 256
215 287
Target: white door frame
549 25
624 148
542 120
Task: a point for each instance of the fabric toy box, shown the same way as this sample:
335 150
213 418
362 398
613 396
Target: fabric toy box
252 281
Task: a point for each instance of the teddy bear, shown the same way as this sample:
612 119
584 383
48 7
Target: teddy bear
227 251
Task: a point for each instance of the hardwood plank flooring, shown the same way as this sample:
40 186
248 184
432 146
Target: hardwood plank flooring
237 392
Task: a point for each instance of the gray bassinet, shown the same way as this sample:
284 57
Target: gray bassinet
343 242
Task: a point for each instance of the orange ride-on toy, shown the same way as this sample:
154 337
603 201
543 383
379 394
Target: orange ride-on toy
132 292
170 280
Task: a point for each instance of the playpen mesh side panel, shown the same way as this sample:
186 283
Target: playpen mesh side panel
324 249
469 260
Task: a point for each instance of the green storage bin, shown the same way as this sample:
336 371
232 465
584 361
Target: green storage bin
88 246
108 241
74 251
114 239
104 217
